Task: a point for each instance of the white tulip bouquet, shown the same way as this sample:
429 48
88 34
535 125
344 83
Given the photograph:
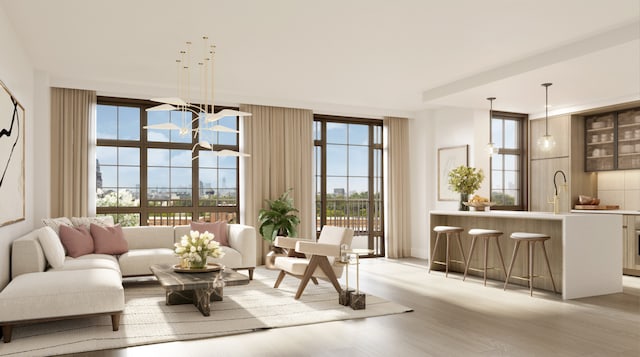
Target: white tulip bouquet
195 248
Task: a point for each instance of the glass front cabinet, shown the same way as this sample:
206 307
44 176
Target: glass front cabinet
613 141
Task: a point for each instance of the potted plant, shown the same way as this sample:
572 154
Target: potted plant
465 180
279 219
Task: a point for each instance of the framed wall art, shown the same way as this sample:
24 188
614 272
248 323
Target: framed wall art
12 144
448 159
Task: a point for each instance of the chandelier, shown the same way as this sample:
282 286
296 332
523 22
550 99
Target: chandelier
204 111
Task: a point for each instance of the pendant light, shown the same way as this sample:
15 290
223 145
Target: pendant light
546 142
491 149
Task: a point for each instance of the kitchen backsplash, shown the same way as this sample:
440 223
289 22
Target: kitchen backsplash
620 188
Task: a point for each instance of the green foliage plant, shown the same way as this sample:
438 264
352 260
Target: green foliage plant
279 219
464 179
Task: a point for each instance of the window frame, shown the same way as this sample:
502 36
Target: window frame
324 119
521 151
144 210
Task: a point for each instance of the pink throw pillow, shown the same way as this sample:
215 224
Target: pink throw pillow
219 230
77 241
108 240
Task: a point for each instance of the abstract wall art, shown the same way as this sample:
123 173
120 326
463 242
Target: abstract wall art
12 141
448 159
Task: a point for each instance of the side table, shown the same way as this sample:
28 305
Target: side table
350 297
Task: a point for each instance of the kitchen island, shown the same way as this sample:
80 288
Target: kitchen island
585 251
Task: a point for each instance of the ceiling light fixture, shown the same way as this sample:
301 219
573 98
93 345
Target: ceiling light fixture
205 110
546 142
491 148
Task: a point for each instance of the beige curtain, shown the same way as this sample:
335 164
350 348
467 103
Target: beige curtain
280 141
72 144
396 143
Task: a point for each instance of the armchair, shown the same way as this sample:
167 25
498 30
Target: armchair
308 260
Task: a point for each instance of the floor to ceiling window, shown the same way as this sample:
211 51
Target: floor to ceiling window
508 166
161 177
348 174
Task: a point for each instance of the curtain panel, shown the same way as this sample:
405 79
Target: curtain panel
72 147
396 145
280 141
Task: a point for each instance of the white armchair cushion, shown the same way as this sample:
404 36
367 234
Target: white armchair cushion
286 242
312 248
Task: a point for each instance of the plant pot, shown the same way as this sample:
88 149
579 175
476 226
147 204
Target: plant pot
270 258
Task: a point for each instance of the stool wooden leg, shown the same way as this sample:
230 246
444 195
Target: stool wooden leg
531 245
464 259
513 259
486 252
544 250
446 266
504 269
433 254
466 268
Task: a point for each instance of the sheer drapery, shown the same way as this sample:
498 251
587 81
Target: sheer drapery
280 141
72 152
396 144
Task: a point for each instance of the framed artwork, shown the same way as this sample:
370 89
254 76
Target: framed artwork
12 190
448 159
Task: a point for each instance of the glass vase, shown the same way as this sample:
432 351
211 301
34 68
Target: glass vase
463 198
199 264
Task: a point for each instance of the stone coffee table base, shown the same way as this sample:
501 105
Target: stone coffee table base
198 289
201 298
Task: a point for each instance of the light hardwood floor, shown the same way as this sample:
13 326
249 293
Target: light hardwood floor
450 318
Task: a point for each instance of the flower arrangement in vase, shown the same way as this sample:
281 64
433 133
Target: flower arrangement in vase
193 249
465 180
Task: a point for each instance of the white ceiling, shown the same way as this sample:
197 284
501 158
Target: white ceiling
384 56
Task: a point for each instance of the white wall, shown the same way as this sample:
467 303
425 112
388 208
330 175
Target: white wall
430 130
17 73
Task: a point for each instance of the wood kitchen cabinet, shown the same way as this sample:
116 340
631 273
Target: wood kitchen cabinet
631 245
567 155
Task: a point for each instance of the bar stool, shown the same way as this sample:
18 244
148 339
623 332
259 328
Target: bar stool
531 239
449 232
486 235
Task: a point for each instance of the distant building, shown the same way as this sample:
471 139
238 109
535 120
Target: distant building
98 175
338 191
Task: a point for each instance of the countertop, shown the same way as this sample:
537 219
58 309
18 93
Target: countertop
607 211
506 214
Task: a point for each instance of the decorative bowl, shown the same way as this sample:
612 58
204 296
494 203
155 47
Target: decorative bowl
479 204
209 268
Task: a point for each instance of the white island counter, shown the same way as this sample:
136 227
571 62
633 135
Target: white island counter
585 250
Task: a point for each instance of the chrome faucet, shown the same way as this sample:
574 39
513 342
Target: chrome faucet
556 199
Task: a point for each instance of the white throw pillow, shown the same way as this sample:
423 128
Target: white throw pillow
103 221
56 222
52 247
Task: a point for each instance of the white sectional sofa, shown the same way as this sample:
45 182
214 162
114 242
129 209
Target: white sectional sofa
92 284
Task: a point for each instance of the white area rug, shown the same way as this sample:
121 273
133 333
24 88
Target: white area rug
147 319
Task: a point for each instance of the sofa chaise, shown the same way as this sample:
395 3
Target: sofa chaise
91 284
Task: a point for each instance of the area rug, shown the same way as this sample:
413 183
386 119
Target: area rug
147 319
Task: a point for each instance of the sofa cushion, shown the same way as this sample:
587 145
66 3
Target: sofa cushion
90 261
52 247
61 293
105 221
146 237
108 240
136 262
219 230
232 258
76 240
55 223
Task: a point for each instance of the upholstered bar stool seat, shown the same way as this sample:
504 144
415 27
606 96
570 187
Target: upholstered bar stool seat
486 235
531 239
449 232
